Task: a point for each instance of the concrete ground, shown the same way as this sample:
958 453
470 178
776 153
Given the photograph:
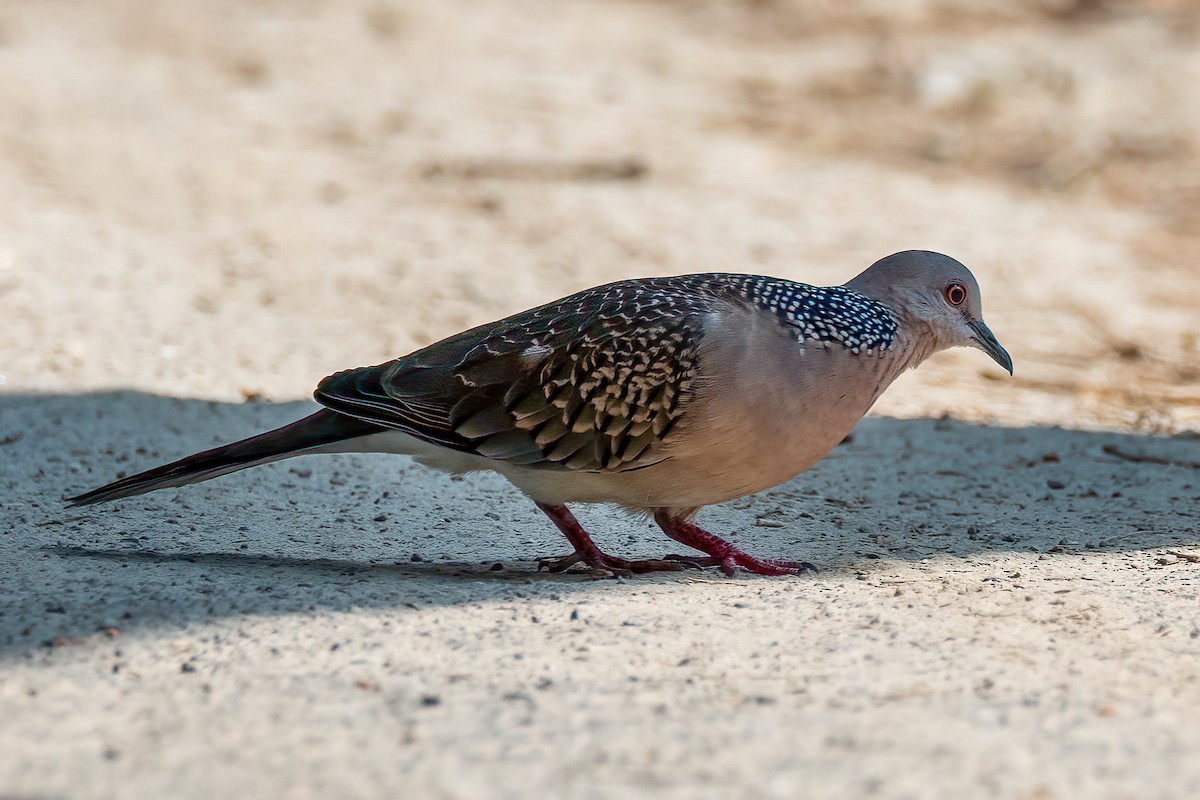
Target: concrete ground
205 207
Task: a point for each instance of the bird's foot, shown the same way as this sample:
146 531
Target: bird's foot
587 553
723 554
598 561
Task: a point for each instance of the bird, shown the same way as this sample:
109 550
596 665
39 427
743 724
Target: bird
660 395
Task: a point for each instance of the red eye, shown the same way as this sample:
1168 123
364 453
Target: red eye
956 294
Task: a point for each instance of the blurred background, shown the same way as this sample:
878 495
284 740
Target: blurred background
225 199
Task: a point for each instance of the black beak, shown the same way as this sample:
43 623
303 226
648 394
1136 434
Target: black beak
988 344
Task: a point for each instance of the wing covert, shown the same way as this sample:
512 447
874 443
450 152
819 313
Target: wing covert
593 382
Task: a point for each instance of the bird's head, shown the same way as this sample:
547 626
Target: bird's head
934 294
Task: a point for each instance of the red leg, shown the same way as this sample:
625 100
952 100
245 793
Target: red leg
722 553
587 552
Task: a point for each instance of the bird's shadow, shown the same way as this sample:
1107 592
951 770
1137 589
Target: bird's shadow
350 531
313 567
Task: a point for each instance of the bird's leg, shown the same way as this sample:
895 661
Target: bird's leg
587 552
724 554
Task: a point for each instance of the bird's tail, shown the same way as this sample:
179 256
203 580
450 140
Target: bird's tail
311 434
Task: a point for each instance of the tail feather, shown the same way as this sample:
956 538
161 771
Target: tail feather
322 428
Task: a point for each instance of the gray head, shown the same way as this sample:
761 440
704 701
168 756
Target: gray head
934 294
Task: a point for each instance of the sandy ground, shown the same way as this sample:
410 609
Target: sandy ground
205 207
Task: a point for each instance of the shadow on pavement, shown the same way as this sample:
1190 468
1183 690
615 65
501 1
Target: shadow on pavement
358 531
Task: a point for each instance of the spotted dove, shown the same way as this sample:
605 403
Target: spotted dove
661 395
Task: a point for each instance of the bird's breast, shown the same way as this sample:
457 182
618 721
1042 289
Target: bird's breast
769 408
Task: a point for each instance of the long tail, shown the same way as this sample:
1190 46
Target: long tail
304 436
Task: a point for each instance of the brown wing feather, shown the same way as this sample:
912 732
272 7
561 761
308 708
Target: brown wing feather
592 382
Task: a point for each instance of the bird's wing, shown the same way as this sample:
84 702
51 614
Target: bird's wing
593 382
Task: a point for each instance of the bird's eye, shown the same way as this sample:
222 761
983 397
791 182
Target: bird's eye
956 294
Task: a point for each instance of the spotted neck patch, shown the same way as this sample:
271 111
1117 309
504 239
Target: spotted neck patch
827 314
